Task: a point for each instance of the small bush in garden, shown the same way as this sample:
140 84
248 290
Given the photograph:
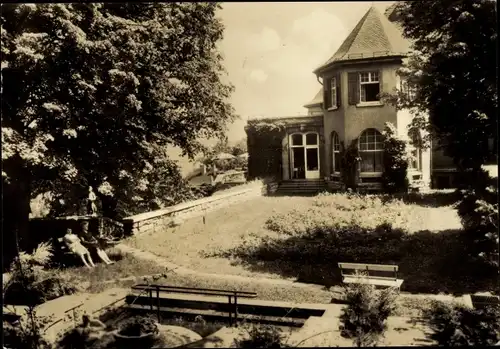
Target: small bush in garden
457 325
262 336
394 177
30 283
364 318
26 333
478 211
349 162
138 325
200 326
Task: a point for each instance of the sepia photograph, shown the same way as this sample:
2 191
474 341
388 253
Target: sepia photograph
249 174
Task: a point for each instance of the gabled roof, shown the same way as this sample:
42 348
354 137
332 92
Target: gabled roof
373 36
317 100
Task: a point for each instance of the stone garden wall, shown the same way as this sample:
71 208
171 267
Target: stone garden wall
173 215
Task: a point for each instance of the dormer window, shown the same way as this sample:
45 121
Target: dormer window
369 86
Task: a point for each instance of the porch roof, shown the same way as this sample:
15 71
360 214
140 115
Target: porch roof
292 120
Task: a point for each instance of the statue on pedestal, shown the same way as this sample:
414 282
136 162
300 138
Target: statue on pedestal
91 205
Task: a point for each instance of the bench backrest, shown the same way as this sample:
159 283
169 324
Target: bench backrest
374 271
368 267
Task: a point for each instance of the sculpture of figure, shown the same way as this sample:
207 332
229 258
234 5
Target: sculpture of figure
93 331
91 205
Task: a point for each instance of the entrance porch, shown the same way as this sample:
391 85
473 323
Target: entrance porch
303 150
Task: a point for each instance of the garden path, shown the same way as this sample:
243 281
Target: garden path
90 303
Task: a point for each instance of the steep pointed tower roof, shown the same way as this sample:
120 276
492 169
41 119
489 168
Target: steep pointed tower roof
373 36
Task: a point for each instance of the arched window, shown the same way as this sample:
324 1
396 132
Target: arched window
297 140
335 152
311 139
415 151
371 151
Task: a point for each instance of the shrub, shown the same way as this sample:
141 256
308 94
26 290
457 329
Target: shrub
262 336
26 333
394 178
204 190
138 325
364 318
478 211
200 326
349 163
456 325
334 211
30 284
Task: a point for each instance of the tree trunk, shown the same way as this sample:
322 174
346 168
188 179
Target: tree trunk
16 211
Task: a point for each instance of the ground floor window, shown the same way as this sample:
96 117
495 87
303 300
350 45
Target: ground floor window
415 152
371 151
336 153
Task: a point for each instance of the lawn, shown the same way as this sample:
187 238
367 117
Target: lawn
192 243
287 237
106 276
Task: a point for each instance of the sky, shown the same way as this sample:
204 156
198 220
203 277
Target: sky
270 50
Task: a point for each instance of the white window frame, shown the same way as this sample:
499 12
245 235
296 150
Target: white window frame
333 93
335 150
315 145
371 80
413 148
376 133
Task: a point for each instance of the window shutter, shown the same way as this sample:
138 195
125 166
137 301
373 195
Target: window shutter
381 83
353 88
326 95
337 79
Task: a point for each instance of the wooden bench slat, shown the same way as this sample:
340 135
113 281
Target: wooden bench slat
373 267
377 282
389 278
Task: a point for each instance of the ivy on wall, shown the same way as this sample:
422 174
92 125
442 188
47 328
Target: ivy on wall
264 142
394 178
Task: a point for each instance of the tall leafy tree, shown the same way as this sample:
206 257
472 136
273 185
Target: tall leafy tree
94 94
453 69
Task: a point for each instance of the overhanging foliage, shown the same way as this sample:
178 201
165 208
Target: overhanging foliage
264 143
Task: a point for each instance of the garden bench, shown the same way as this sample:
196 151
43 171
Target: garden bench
232 297
377 280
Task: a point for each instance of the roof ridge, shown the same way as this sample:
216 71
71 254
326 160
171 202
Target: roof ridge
356 30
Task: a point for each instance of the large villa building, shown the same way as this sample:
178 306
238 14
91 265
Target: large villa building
347 108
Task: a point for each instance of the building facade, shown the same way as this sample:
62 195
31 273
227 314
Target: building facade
348 109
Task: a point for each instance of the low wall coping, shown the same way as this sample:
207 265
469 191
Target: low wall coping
183 206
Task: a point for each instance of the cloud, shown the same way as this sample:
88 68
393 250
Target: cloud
258 75
311 41
267 40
